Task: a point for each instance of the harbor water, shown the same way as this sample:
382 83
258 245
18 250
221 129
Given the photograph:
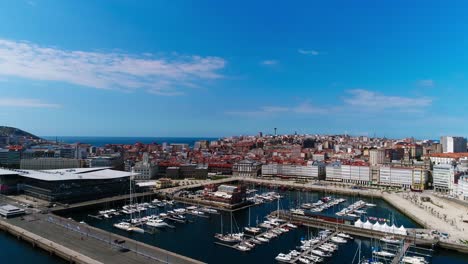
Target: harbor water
196 238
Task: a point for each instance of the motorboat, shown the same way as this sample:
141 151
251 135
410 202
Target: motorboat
390 240
209 210
253 229
297 211
159 223
339 240
321 253
256 241
325 248
262 239
304 260
414 260
283 257
122 226
384 254
313 258
197 212
343 235
243 248
291 225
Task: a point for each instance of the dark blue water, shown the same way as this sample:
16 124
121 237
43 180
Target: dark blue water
101 141
14 251
196 239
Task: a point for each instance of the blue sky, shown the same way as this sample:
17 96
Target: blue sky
218 68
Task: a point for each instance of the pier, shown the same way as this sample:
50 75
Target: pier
65 238
318 223
313 247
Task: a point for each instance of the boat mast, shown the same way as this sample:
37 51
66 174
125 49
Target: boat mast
222 231
278 206
231 223
249 216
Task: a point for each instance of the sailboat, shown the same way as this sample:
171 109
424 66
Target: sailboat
129 226
229 237
250 229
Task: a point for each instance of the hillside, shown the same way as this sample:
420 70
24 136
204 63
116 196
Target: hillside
15 132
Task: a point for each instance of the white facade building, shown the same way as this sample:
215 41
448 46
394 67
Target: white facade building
333 172
311 170
442 176
402 177
356 174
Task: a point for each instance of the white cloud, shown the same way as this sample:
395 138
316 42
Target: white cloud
269 62
358 102
303 108
307 108
426 83
159 75
377 101
26 102
308 52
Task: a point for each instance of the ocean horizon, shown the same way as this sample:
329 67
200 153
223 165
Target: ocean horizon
100 141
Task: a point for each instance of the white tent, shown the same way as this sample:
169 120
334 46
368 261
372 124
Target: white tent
402 230
376 227
394 229
367 225
386 228
358 223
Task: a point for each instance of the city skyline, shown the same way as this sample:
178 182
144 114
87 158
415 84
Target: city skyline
159 69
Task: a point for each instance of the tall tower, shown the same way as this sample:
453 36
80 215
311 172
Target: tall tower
275 131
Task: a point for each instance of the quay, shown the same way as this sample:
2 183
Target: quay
47 245
65 238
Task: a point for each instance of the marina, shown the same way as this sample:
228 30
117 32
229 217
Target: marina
250 248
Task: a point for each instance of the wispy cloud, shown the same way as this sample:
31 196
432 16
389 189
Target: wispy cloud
308 52
163 75
426 83
269 62
357 102
377 101
26 102
303 108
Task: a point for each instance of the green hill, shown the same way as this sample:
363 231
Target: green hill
15 132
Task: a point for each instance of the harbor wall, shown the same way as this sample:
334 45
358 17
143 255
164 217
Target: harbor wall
53 248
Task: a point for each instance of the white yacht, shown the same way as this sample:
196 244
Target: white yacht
384 254
252 229
157 223
339 240
414 260
283 257
343 235
320 253
390 240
